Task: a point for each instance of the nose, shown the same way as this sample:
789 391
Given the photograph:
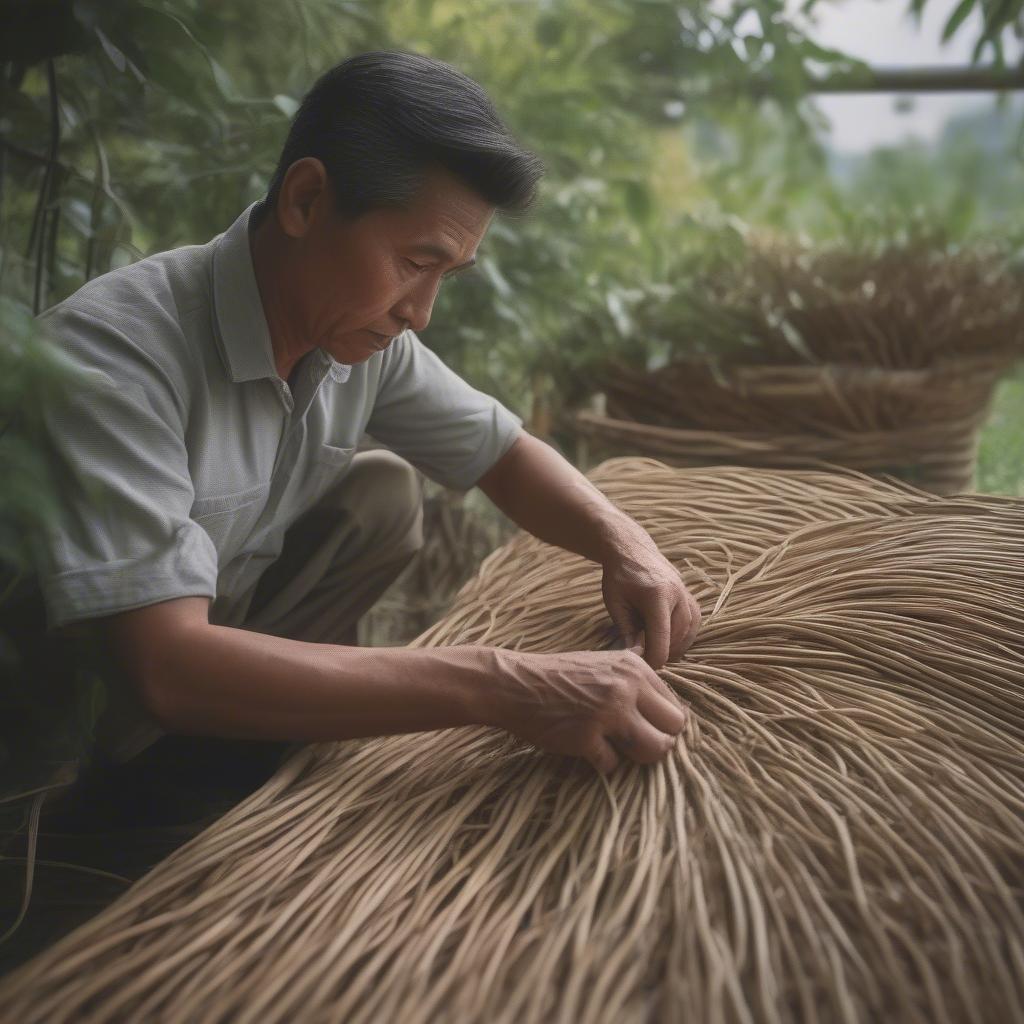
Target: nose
413 309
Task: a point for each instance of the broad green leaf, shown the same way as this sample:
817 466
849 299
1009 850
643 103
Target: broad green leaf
960 14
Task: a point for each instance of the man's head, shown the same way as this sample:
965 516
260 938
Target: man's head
391 172
378 120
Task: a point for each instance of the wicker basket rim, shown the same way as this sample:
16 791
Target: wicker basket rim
830 374
590 422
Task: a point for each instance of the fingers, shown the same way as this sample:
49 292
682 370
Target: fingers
680 628
600 705
657 632
685 623
624 622
648 731
669 629
601 754
667 692
695 620
640 741
661 709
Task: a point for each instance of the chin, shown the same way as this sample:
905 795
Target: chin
352 352
354 360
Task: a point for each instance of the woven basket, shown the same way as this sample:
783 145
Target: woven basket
919 424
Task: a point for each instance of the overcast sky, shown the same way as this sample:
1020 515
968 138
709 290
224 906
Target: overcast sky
880 32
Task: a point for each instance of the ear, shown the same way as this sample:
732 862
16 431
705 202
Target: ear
304 196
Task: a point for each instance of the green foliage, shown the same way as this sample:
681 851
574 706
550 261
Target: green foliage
51 693
171 114
170 122
889 294
1001 452
968 182
998 18
31 372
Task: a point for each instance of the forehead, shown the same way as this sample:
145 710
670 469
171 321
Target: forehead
443 211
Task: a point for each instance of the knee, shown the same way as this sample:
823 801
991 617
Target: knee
391 498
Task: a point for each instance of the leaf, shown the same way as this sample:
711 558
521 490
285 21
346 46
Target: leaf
223 80
638 200
288 105
490 270
957 18
117 58
619 314
549 30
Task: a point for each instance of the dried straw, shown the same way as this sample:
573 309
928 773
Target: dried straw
838 835
878 358
939 456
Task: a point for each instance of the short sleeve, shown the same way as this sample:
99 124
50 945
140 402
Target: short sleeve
429 415
123 537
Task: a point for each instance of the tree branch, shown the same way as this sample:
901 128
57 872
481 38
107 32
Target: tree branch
921 79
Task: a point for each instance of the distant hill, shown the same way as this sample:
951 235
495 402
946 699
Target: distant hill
971 176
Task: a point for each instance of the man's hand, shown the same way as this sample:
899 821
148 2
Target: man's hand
644 594
592 704
541 492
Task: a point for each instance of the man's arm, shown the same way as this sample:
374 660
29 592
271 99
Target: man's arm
545 495
196 677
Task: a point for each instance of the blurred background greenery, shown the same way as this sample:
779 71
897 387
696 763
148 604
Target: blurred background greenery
131 126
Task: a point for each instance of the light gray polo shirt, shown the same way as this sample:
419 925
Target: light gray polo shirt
184 457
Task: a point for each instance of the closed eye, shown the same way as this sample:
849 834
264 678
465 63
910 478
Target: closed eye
422 268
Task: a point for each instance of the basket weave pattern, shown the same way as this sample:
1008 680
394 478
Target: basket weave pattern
919 424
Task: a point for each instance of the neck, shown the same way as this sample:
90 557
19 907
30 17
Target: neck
268 246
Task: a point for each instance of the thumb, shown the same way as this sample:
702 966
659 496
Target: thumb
622 619
602 756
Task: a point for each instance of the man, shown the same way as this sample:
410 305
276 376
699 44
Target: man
218 526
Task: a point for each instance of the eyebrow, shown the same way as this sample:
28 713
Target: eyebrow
440 253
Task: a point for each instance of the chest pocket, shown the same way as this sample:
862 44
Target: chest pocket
327 466
229 518
331 457
330 464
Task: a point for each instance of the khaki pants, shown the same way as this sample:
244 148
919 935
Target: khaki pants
338 558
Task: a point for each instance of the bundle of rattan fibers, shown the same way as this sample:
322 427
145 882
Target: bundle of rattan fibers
881 358
838 835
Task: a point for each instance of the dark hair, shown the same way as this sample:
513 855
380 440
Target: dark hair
380 120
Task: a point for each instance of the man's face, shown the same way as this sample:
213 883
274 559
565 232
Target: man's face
359 283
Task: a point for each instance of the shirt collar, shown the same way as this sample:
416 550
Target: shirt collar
242 329
340 372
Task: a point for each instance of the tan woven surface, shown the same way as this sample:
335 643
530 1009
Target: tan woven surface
837 836
880 355
920 424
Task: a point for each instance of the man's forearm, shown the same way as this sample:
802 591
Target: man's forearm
548 497
237 683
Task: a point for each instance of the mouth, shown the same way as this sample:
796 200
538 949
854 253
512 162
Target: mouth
380 341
